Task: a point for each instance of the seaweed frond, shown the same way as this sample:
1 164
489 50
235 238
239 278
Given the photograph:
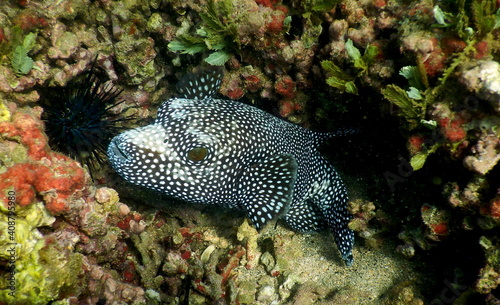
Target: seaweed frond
361 62
418 160
444 19
343 81
486 18
483 12
312 13
413 110
214 35
188 45
320 5
21 45
338 78
415 78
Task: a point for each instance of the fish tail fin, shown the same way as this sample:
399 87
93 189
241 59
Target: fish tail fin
341 132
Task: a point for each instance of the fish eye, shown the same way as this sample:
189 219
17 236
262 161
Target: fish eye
197 154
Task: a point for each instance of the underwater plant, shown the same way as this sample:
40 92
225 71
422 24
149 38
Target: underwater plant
214 35
17 50
470 27
344 81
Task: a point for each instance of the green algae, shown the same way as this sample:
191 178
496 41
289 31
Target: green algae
337 78
151 259
155 23
246 292
489 277
343 81
137 57
483 13
413 104
485 17
66 45
4 113
411 109
311 11
42 271
214 35
19 48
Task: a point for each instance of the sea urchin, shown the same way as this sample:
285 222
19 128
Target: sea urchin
78 120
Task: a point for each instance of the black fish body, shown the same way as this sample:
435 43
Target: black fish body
222 152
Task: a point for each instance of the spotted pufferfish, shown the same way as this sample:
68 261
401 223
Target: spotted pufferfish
221 152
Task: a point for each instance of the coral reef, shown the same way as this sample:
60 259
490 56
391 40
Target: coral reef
36 185
368 222
482 77
427 70
489 276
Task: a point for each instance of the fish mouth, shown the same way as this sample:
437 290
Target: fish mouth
115 152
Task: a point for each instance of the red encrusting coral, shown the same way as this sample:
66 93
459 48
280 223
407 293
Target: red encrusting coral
186 255
28 130
28 21
482 49
434 63
185 232
286 108
235 93
495 208
379 3
286 87
50 175
23 2
54 180
452 129
437 220
19 178
233 88
232 263
128 276
125 223
415 144
267 3
201 288
440 229
282 8
253 83
452 45
3 38
129 272
276 24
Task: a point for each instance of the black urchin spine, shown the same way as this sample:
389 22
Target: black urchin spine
78 119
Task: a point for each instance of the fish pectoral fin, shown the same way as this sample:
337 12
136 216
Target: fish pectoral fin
267 188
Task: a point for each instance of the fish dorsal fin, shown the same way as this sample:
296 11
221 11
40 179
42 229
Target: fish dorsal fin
200 85
266 188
